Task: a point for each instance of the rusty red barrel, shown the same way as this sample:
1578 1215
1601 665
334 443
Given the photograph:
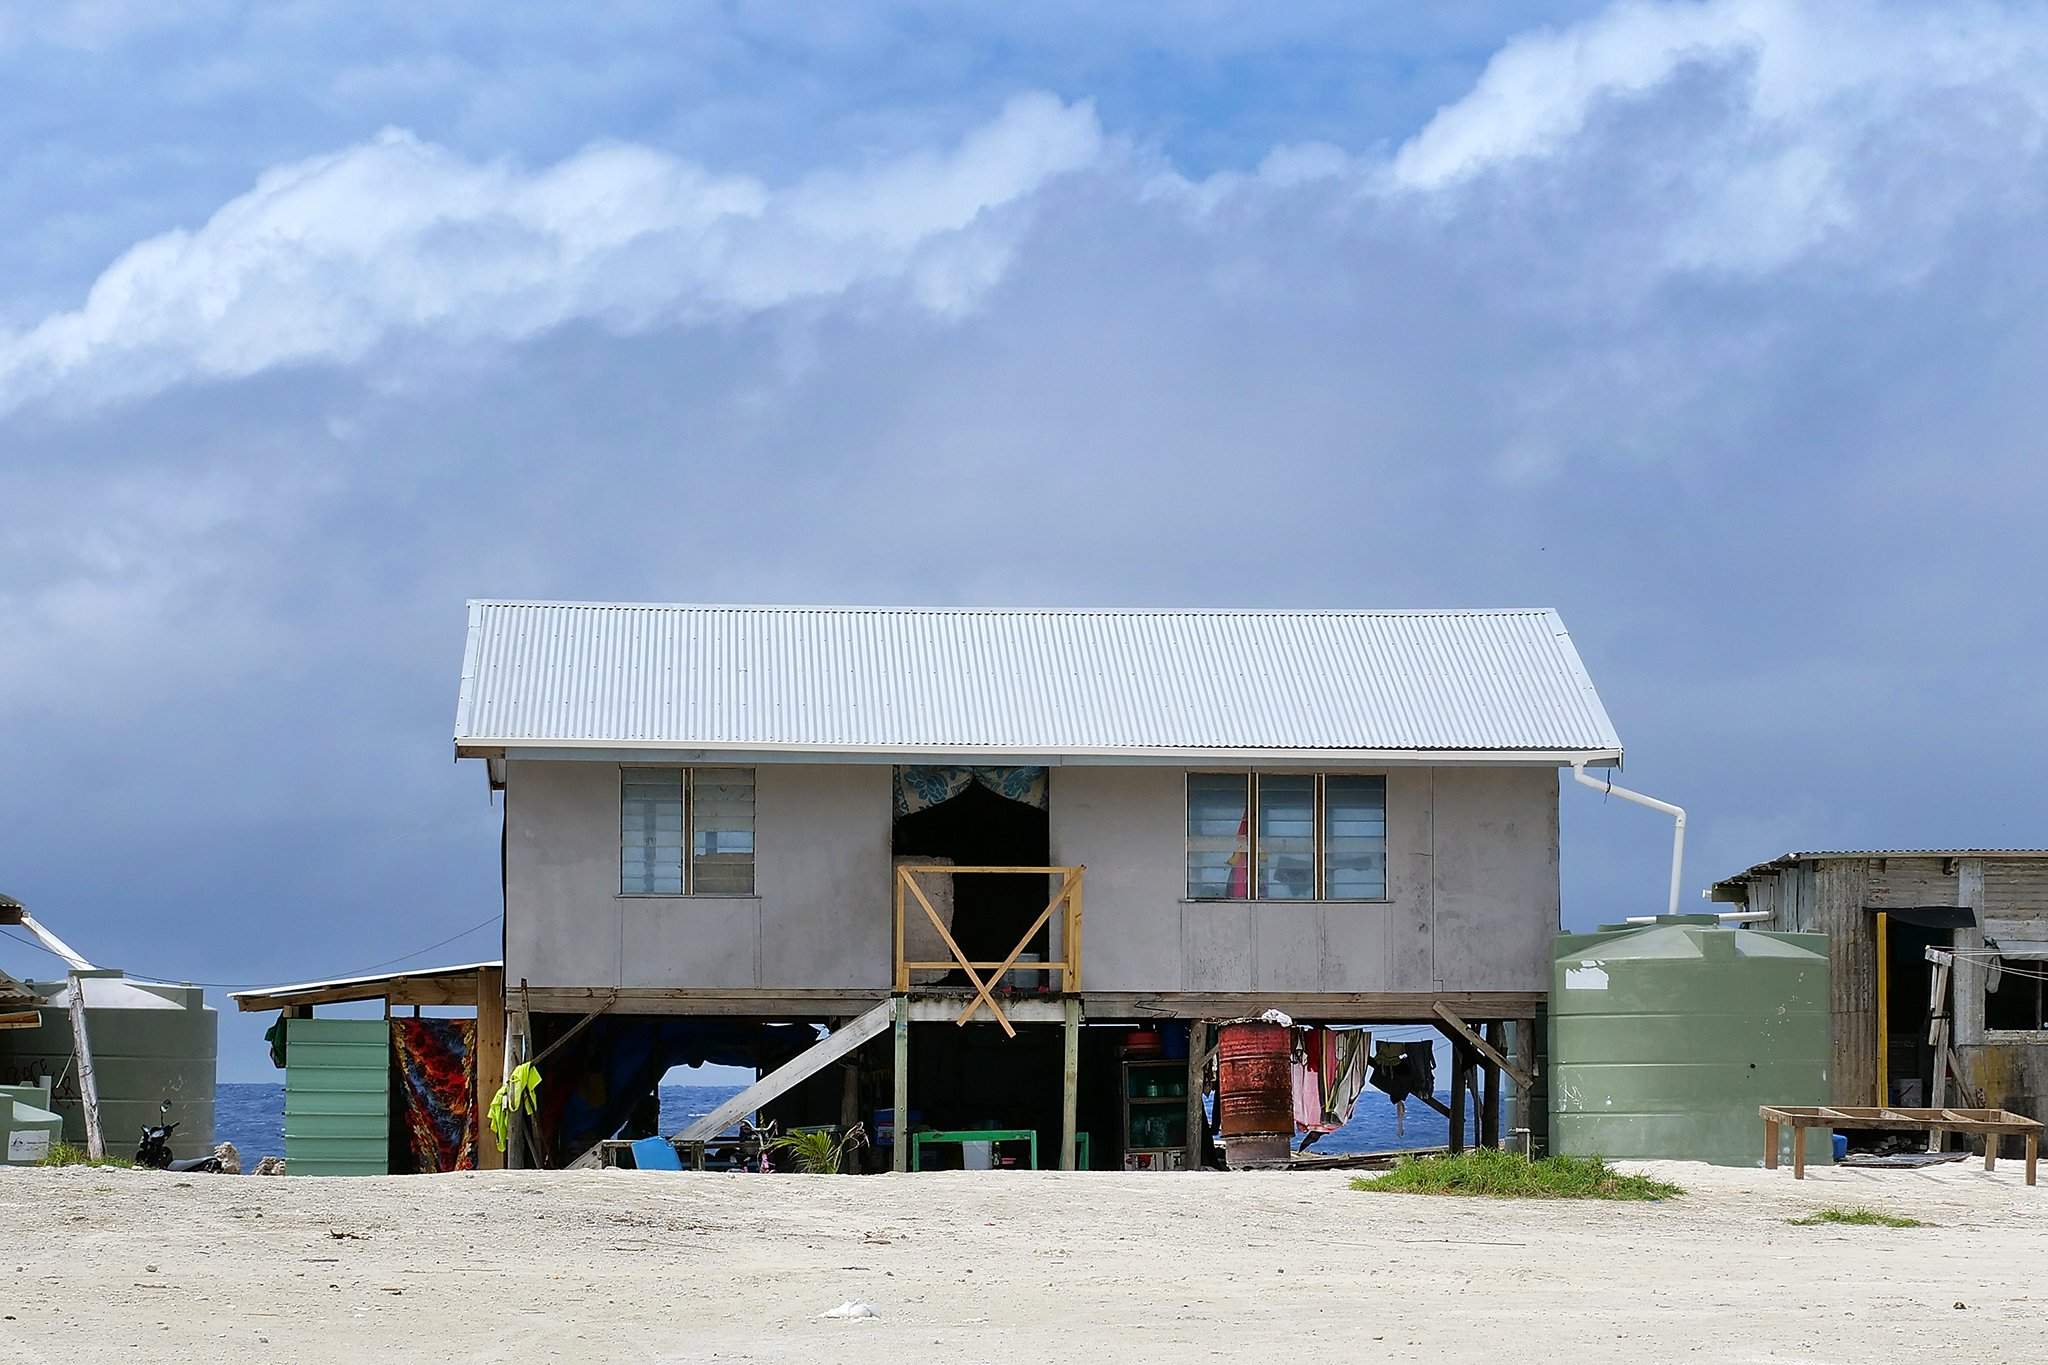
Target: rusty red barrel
1255 1091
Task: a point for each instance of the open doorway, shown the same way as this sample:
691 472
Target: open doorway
1908 1069
979 817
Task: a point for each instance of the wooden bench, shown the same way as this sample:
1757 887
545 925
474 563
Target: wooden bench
1992 1123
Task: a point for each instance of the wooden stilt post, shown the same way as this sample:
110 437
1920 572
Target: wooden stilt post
490 1063
849 1088
1489 1104
1522 1050
1070 1082
1198 1068
1459 1068
899 1118
88 1083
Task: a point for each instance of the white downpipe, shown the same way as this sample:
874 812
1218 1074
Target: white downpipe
1677 813
56 945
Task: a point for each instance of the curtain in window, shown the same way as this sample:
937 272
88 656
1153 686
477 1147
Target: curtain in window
1217 836
651 832
922 787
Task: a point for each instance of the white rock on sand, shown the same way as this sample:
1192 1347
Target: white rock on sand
107 1265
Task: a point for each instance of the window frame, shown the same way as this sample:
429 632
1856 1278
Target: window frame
1318 816
689 844
2034 1034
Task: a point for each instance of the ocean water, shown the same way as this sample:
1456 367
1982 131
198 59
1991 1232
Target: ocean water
252 1117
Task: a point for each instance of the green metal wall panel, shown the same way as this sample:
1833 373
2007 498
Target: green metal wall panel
337 1097
1666 1037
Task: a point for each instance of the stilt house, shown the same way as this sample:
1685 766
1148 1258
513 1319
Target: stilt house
982 846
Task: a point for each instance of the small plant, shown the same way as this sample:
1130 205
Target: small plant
1509 1175
1855 1218
814 1151
71 1154
515 1096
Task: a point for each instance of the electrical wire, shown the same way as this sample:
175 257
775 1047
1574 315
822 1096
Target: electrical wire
245 985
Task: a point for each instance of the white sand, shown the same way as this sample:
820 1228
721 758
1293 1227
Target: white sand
1118 1269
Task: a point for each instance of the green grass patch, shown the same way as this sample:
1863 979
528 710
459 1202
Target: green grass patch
1509 1175
1855 1218
71 1154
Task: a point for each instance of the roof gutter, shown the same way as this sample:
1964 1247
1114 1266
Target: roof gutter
1676 812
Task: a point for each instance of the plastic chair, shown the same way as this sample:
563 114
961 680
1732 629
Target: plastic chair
656 1154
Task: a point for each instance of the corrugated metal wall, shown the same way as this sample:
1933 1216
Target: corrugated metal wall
337 1097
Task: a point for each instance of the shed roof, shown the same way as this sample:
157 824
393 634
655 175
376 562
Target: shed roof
416 986
594 676
1784 860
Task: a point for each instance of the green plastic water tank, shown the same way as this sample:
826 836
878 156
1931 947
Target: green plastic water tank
150 1043
28 1127
1666 1036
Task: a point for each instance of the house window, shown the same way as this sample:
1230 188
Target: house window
663 811
2018 1002
1286 836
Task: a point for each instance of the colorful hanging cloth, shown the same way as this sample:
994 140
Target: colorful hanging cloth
1329 1072
922 787
436 1064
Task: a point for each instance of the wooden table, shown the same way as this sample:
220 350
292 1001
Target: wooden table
1992 1123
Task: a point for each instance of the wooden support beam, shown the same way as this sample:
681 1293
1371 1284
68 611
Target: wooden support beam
1198 1072
1460 1066
799 1068
88 1083
490 1062
1884 1010
1457 1029
899 1153
1070 1082
1489 1104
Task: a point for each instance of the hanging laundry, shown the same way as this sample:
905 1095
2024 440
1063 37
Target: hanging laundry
1329 1072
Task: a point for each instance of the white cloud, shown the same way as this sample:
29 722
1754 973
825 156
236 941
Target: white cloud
1809 105
325 258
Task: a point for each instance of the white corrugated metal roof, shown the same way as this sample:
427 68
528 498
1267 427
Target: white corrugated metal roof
888 680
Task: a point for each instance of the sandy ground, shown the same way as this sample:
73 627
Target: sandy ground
128 1266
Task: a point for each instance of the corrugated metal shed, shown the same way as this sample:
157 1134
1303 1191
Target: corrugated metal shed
1785 860
872 680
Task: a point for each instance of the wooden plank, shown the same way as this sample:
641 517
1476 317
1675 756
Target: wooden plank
490 1062
801 1067
24 1019
88 1083
1459 1066
1489 1104
985 992
899 1156
981 986
902 968
1456 1028
1070 1082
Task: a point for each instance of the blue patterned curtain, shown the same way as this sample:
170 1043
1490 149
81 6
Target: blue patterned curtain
924 787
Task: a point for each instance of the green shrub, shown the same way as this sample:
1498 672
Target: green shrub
1509 1175
71 1154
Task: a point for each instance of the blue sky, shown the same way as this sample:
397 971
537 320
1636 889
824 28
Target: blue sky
1713 325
